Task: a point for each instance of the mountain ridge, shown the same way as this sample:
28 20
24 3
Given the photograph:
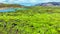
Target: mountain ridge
49 4
9 5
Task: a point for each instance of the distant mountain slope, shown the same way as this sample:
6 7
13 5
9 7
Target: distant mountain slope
9 5
49 4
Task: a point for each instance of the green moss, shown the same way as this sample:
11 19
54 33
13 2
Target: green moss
36 20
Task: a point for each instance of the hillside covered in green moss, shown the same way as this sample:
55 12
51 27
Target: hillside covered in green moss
2 5
35 20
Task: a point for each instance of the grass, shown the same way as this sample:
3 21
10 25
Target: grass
36 20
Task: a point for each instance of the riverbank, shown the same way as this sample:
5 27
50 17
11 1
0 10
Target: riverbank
3 8
7 8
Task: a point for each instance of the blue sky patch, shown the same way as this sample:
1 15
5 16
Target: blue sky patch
27 2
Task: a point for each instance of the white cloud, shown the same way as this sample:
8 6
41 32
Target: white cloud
2 1
21 0
33 1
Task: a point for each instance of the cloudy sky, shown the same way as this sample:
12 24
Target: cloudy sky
27 2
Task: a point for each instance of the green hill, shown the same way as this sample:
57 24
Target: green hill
10 5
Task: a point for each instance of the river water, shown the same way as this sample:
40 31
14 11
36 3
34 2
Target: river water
11 9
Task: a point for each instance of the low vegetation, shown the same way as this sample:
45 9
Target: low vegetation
35 20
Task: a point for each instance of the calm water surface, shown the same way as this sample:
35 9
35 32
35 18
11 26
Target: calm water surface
11 9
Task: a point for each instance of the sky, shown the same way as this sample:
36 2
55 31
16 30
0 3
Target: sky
27 2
